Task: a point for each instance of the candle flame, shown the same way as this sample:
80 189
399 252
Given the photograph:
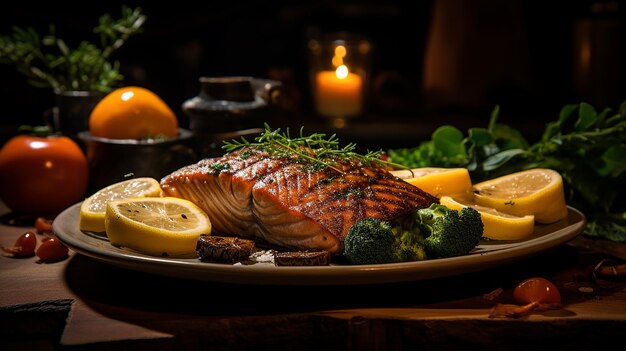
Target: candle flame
340 53
341 72
337 61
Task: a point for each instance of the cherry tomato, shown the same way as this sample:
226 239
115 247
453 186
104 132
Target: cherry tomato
51 250
42 175
538 290
43 225
24 246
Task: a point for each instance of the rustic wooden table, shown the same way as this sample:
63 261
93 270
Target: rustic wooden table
82 303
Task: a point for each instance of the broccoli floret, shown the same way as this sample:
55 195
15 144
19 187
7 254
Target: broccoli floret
409 243
370 241
449 232
431 232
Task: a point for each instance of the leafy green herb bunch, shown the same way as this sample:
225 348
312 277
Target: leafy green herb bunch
585 145
48 62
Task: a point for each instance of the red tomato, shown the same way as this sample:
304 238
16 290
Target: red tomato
537 290
51 250
24 246
42 175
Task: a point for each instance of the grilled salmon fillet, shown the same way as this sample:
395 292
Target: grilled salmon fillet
251 194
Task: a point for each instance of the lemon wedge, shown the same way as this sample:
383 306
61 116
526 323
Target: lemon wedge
497 225
537 192
93 208
438 181
157 226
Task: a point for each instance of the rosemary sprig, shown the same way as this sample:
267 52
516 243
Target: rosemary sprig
48 62
317 148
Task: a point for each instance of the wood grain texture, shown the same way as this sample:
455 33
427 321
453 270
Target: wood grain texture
113 307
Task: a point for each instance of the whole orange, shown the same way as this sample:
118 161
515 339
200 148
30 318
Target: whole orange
132 113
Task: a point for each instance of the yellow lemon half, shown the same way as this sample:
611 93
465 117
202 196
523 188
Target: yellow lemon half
157 226
537 192
93 208
497 225
438 181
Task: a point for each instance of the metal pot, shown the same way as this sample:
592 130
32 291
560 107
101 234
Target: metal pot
229 106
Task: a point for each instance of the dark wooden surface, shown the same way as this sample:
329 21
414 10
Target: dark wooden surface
82 303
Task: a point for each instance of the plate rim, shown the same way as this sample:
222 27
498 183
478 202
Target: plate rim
66 228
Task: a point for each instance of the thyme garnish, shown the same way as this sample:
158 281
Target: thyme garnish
245 155
218 167
351 192
317 148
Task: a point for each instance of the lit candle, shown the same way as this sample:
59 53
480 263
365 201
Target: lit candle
339 93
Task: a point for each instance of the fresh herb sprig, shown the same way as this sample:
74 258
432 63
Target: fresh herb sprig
587 147
48 62
317 148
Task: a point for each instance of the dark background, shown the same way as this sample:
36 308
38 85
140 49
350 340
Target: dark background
523 55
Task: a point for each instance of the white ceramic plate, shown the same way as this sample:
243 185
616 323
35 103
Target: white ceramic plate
487 255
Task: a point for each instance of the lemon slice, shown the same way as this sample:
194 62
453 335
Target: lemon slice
497 225
438 181
93 208
157 226
537 192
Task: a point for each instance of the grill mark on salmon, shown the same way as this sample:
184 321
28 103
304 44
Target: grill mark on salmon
284 201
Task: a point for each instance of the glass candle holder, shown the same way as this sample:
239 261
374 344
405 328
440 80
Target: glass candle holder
339 76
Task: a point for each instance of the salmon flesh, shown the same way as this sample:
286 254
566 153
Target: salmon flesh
289 202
